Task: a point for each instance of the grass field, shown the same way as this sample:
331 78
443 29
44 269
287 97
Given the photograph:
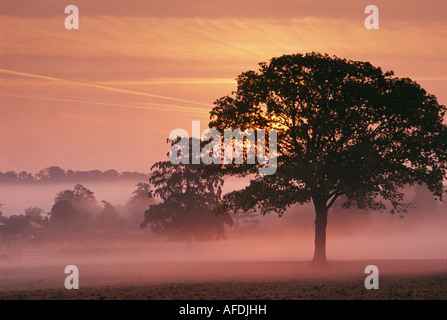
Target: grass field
109 278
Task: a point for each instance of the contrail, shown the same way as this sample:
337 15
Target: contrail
128 106
98 86
172 81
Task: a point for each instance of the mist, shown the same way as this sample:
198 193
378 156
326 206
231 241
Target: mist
264 248
421 233
17 197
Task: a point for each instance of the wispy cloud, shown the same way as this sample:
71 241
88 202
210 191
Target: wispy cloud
142 106
170 59
173 81
183 41
410 10
98 86
153 81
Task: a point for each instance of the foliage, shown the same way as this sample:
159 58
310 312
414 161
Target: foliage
344 128
80 197
188 200
62 212
34 212
57 174
110 219
141 199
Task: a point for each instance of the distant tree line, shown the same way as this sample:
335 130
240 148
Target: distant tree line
57 174
77 215
179 208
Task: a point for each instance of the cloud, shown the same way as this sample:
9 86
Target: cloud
171 59
97 86
408 10
212 41
173 81
12 82
142 106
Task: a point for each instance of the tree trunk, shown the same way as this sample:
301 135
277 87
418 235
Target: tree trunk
319 258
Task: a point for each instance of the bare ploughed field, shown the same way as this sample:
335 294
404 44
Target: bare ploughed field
130 278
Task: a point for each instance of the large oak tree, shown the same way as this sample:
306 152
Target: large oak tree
345 128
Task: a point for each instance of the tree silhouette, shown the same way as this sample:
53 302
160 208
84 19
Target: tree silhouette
25 177
110 219
344 128
80 197
56 174
51 174
111 174
9 176
189 199
84 206
139 202
62 216
62 212
34 213
2 218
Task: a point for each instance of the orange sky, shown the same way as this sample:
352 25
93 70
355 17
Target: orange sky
107 95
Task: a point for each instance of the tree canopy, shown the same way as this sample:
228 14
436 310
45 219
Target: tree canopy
80 197
138 203
110 219
344 128
56 174
188 200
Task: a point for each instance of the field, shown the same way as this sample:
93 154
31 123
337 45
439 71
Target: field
141 279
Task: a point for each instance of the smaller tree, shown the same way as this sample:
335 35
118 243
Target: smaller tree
60 219
25 177
15 225
82 199
62 215
189 200
33 212
111 174
141 199
2 218
9 176
83 202
110 219
51 174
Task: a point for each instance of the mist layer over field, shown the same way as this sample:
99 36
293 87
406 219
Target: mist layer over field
17 197
351 233
269 248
